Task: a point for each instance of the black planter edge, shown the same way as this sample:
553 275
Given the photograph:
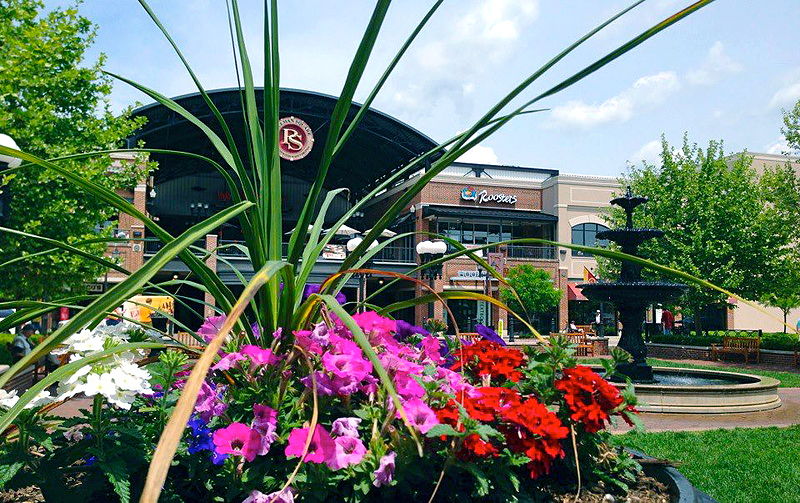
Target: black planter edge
679 486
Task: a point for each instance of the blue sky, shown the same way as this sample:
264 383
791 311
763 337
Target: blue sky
723 73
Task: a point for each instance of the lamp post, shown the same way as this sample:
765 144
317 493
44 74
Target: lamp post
7 161
429 251
361 293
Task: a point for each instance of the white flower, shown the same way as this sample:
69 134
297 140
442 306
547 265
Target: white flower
43 398
101 384
8 398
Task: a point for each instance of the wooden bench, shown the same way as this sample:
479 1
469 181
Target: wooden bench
587 329
739 345
580 340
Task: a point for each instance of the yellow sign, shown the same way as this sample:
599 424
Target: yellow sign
142 307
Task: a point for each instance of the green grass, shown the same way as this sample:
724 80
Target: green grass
760 465
787 379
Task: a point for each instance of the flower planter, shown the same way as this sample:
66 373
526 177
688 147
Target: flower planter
680 489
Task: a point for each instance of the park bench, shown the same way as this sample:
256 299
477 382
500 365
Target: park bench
738 345
583 346
587 329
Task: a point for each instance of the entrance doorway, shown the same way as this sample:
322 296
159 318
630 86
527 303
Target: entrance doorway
467 314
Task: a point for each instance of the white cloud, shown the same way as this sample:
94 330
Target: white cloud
716 65
786 95
779 146
478 35
480 154
646 91
650 153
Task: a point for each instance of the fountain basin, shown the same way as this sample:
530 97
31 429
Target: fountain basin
700 391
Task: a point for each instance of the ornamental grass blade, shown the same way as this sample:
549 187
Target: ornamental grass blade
173 431
65 371
124 290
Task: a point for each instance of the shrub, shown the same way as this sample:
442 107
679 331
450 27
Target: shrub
769 340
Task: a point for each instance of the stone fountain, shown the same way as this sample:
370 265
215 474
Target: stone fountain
630 294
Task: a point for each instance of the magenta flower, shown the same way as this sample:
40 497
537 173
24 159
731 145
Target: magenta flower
370 321
208 402
346 365
265 422
346 427
348 451
419 414
320 450
430 347
228 361
285 496
385 472
408 387
238 439
259 356
211 327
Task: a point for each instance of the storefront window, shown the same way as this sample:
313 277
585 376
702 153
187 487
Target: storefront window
479 233
586 235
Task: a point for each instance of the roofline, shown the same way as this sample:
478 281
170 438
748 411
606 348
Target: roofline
551 172
777 157
223 90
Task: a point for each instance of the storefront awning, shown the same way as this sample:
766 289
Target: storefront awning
487 214
574 293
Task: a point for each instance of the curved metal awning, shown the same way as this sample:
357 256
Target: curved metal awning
379 146
487 214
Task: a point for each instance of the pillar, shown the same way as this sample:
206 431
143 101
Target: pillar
211 262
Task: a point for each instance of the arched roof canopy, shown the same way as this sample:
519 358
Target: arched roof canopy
379 145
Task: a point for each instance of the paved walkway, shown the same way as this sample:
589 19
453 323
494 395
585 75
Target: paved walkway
787 414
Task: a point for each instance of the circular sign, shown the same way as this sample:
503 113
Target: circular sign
295 138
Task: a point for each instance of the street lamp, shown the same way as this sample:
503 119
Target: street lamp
429 251
350 246
7 161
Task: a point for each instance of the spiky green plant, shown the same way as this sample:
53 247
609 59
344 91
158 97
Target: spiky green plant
254 180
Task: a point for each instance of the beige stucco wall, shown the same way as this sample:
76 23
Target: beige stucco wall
748 318
576 199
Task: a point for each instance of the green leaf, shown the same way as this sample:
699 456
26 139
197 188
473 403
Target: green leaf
8 471
444 429
117 474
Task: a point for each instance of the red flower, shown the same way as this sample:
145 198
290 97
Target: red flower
474 445
536 432
590 397
487 358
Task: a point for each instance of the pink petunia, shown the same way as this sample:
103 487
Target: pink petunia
211 327
431 347
385 472
265 422
238 439
348 451
321 449
346 365
370 321
419 414
285 496
228 361
209 403
259 356
408 387
346 426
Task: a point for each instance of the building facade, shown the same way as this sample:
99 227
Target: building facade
473 204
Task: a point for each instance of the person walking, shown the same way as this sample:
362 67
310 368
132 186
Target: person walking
667 321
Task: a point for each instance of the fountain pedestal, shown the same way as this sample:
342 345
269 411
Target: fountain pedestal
630 294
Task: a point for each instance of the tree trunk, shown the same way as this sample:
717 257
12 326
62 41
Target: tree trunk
698 323
785 315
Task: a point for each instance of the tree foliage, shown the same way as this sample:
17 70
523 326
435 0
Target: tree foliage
54 103
534 287
791 127
723 222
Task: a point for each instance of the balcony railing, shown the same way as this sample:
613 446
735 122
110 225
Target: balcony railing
532 252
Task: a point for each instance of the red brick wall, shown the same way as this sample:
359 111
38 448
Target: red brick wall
450 194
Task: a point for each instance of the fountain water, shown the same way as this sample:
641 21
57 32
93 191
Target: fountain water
630 294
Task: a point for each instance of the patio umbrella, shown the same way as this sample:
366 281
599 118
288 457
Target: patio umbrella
385 234
345 230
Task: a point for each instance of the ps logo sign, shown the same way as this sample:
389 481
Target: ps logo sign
295 138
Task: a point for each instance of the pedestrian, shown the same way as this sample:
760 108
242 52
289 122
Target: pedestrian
21 345
667 321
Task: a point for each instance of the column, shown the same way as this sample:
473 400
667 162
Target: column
211 262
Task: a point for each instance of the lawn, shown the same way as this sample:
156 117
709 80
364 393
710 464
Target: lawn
760 465
787 379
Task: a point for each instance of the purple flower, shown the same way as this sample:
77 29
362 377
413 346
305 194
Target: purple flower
346 426
285 496
208 402
312 288
259 356
406 330
346 365
385 472
489 334
347 451
432 349
200 440
265 422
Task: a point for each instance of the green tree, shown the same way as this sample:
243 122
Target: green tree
723 222
54 103
791 127
535 289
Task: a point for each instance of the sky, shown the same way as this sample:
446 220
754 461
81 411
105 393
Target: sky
724 73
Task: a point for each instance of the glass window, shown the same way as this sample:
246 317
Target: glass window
494 233
586 235
467 233
480 234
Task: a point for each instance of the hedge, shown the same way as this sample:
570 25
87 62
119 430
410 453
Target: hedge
5 356
769 340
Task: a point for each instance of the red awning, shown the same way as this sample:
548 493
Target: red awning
574 293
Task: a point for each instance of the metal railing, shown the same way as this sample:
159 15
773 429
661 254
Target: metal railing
396 254
532 252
